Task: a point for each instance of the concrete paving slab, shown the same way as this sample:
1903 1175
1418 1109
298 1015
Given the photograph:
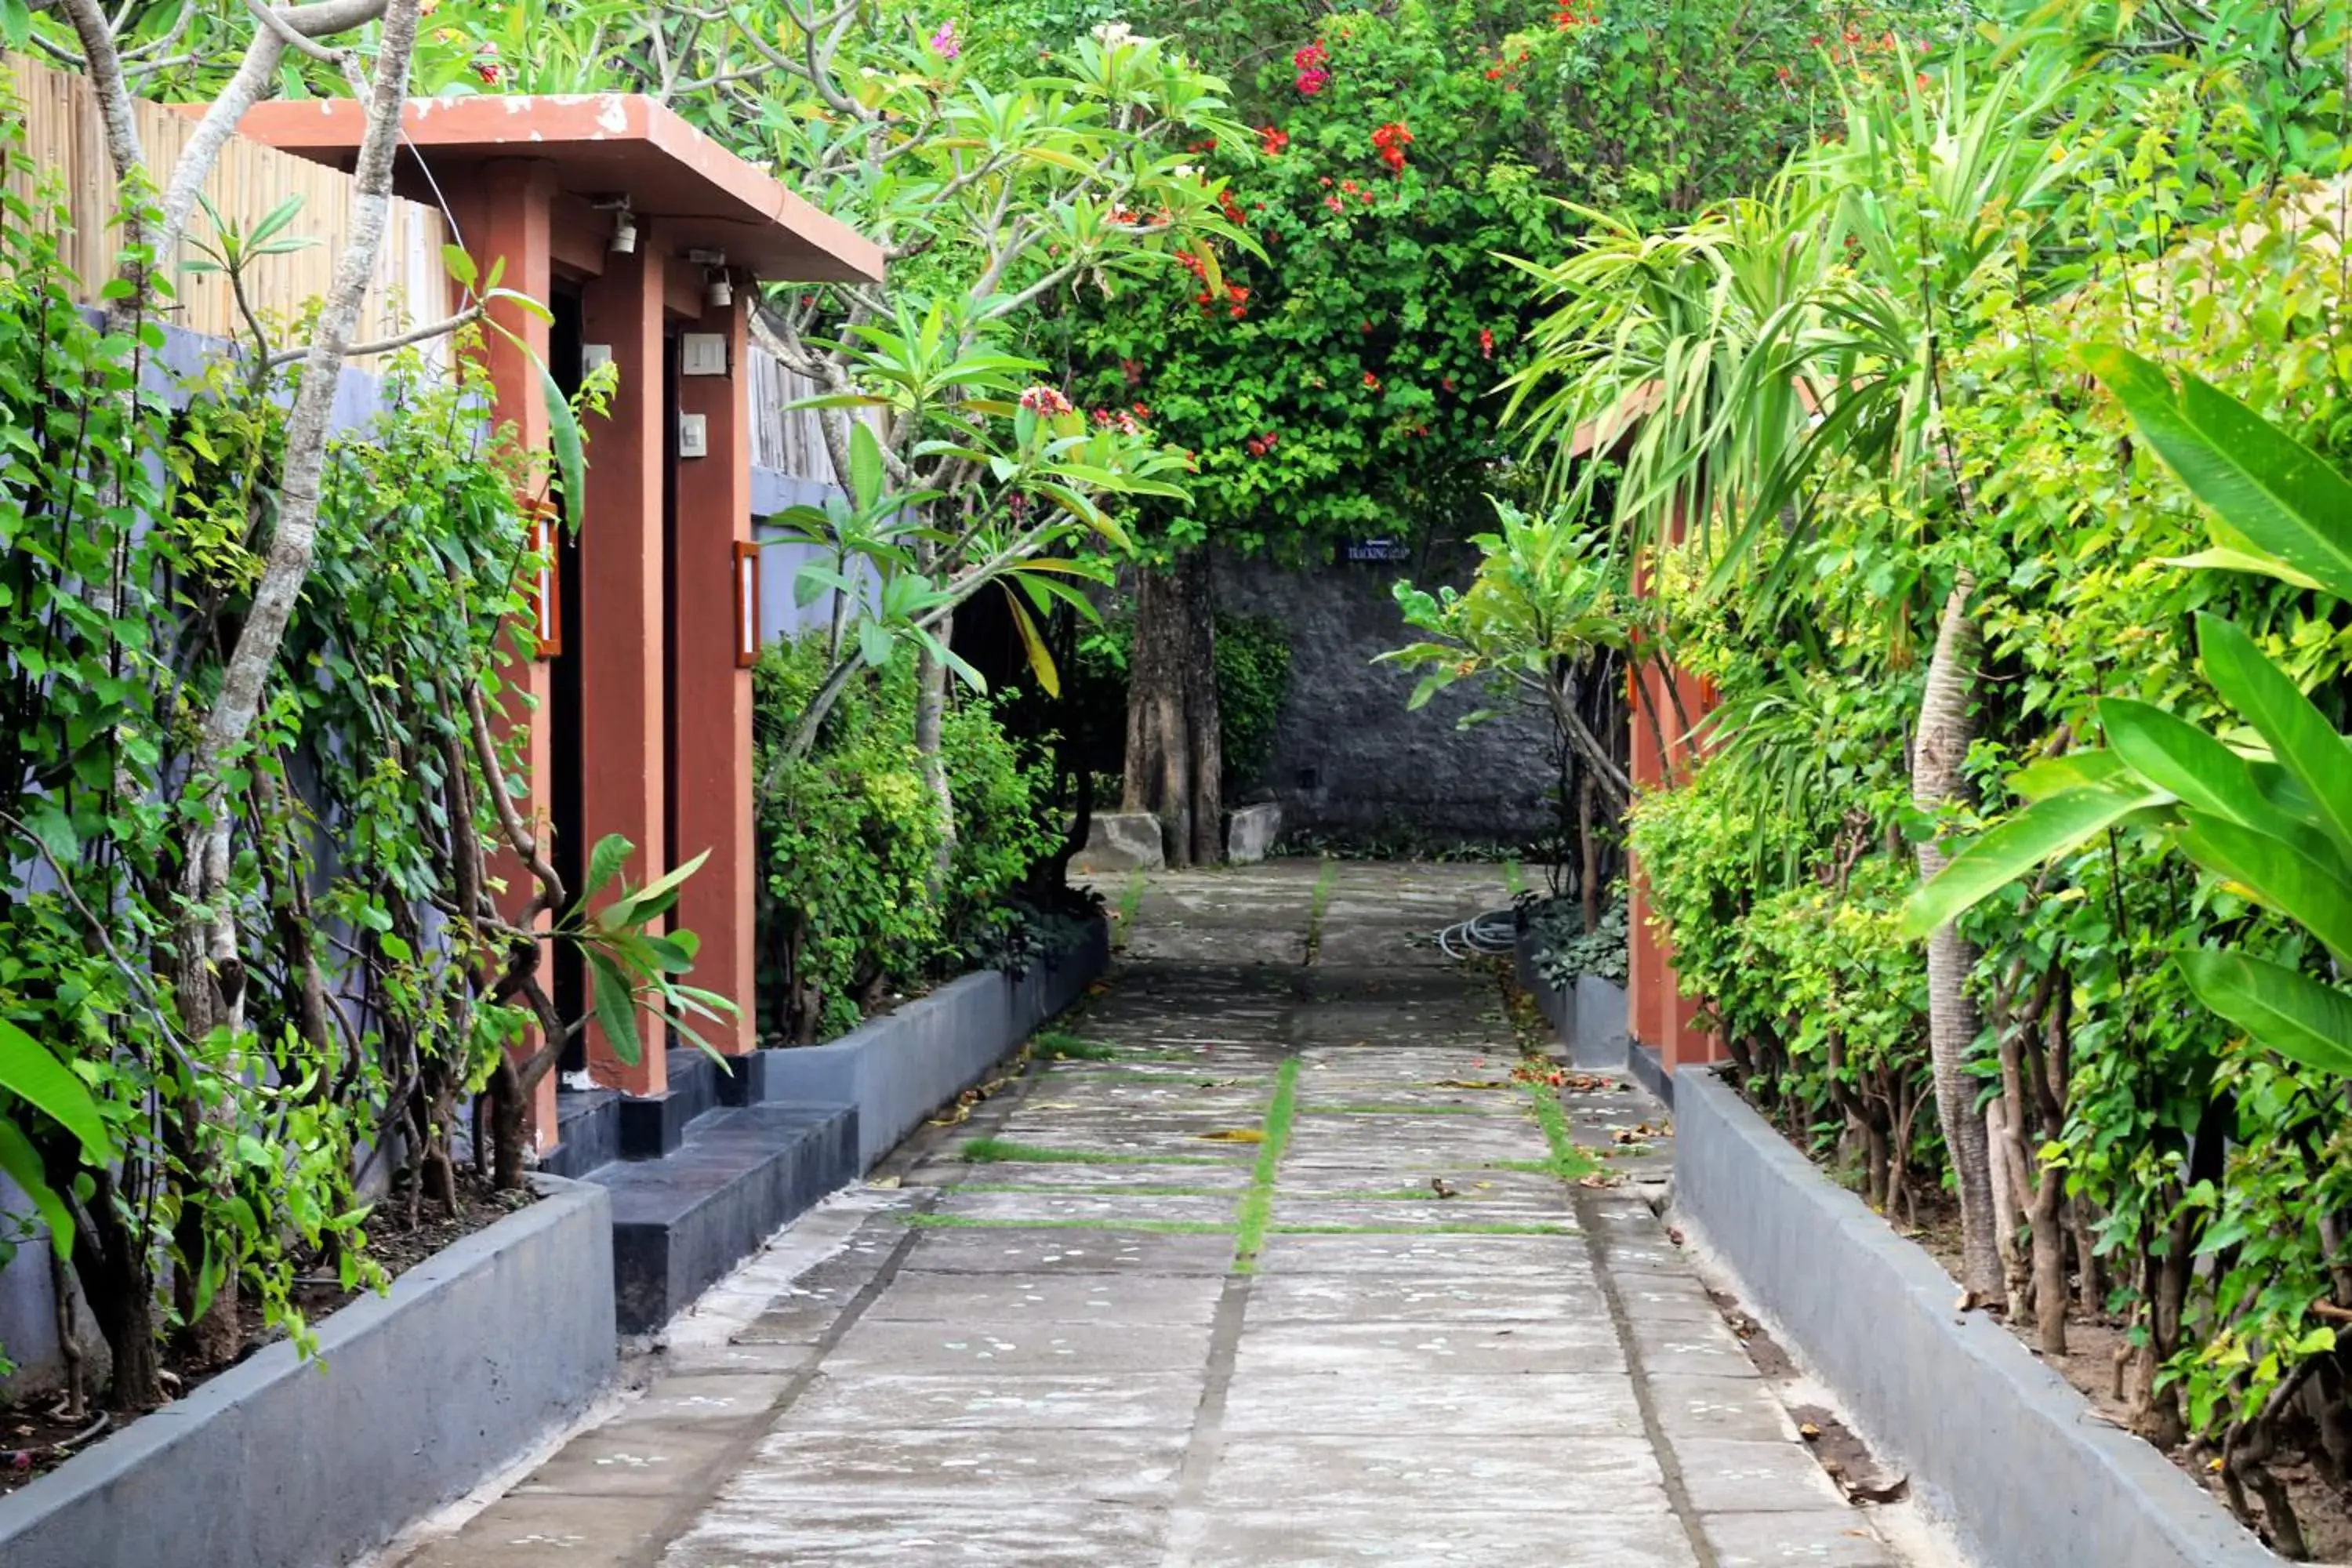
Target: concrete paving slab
551 1532
1738 1407
1534 1257
1347 1298
994 1251
1728 1477
1504 1475
1403 1537
1013 1532
1017 1343
1007 1208
1824 1540
926 1297
1538 1403
965 1469
1456 1350
881 1401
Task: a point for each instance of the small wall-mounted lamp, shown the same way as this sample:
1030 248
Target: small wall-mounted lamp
747 603
718 287
624 226
547 608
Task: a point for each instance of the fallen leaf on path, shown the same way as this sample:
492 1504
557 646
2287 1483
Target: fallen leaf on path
1232 1135
1467 1083
883 1182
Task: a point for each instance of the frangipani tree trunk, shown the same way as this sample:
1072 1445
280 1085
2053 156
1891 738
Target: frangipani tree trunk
1175 760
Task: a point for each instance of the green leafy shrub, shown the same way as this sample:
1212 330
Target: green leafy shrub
855 903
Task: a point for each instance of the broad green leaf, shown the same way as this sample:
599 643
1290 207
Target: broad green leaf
1041 659
30 1072
2075 769
563 441
2218 559
2284 497
2285 876
2180 759
2001 855
2281 1008
616 1007
865 470
460 264
22 1165
605 862
2300 736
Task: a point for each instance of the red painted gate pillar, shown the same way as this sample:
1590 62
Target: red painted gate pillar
624 779
710 764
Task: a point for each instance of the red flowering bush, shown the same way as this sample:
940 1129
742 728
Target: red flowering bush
1391 140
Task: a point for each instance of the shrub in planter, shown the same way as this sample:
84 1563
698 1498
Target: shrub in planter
852 901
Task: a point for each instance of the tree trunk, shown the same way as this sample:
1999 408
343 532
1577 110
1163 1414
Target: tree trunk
1174 757
1947 726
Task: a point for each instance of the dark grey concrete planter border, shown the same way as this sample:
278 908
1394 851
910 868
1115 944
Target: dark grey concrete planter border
417 1395
1591 1021
1995 1442
898 1068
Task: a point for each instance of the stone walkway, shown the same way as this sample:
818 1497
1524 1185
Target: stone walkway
1275 1266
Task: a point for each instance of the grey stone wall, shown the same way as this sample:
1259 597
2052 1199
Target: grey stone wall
1348 758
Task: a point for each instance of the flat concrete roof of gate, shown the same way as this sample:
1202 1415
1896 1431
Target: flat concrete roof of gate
599 145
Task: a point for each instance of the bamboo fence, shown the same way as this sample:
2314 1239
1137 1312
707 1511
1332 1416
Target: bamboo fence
66 159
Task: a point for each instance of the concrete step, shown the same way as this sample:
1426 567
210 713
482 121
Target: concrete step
736 1174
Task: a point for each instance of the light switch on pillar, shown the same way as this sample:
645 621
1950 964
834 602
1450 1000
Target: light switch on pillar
710 767
624 781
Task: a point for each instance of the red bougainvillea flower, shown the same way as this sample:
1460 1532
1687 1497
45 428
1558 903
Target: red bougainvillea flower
1045 401
1272 140
1486 342
1446 382
1310 61
1392 140
1372 382
1335 204
1256 447
1132 369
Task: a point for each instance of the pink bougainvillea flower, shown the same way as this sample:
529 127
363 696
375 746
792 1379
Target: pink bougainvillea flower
944 43
1310 62
1045 401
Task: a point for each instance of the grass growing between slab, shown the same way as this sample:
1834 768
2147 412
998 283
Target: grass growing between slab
1320 905
990 1151
1257 1205
1130 902
978 1222
1061 1045
1569 1162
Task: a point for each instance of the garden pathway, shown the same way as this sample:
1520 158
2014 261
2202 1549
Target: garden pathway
1051 1355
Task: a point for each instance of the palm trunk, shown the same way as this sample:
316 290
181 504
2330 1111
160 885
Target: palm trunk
1947 726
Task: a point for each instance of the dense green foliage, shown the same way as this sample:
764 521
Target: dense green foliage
364 984
1953 305
1334 383
853 909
